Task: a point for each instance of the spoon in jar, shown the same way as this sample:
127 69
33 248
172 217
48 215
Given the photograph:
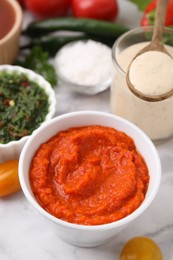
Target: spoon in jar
149 53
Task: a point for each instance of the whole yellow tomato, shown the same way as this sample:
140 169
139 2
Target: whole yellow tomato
141 248
9 180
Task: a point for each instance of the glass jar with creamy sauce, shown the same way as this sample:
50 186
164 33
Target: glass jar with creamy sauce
154 118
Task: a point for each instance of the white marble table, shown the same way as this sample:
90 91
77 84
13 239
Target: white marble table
26 235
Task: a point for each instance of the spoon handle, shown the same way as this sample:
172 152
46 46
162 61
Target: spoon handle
161 11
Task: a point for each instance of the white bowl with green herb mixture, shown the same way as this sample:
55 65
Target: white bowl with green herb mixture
27 100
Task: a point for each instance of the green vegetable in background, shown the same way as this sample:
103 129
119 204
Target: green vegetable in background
102 31
141 4
90 26
52 44
37 60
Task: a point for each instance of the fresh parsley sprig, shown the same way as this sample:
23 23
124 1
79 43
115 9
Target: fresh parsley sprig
141 4
38 61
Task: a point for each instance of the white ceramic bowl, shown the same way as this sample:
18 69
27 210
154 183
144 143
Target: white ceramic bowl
9 44
81 235
78 64
11 150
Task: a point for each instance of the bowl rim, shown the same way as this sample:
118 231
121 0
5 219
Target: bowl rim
18 21
100 227
48 89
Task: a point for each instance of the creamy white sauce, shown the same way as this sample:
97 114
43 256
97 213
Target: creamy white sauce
151 73
154 118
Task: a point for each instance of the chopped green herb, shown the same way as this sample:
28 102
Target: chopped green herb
38 61
23 106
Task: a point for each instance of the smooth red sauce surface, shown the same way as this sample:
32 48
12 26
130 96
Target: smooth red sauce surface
89 175
7 17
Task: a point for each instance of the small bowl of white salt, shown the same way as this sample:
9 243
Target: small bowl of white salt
84 66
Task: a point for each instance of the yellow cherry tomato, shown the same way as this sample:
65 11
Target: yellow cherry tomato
141 248
9 180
